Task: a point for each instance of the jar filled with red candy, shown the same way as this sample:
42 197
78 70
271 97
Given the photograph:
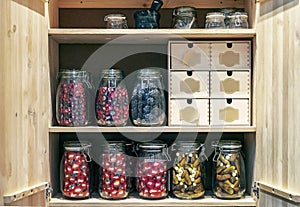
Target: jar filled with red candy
152 171
113 172
75 170
72 96
112 99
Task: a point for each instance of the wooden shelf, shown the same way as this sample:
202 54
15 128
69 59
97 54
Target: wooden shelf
207 201
144 36
95 129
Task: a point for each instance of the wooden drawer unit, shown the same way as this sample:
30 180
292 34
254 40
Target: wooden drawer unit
189 84
230 55
189 55
229 112
189 112
230 84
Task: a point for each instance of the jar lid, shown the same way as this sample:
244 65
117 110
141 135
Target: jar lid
154 145
215 14
112 72
72 72
76 145
239 14
228 10
152 72
114 17
185 11
228 144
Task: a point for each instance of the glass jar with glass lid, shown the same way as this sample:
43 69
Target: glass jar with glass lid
116 21
185 17
215 20
238 20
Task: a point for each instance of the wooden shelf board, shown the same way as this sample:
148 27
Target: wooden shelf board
131 129
207 201
144 36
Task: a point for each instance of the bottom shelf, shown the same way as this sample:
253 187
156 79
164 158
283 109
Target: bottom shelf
134 201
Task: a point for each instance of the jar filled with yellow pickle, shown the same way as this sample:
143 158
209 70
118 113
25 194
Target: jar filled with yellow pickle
229 179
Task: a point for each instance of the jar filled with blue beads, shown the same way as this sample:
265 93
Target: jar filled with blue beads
148 107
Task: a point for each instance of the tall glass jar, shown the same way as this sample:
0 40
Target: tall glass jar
146 19
188 170
184 17
113 176
72 96
75 170
215 20
229 179
116 21
238 20
112 106
152 171
148 105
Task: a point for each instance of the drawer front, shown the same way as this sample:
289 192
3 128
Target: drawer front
230 55
230 84
190 55
224 112
189 84
189 112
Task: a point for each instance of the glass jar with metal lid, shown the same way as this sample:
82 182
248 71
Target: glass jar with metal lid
152 177
116 21
188 170
112 108
74 175
184 17
239 20
215 20
229 176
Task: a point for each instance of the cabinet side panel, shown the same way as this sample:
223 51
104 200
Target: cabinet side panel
25 93
277 94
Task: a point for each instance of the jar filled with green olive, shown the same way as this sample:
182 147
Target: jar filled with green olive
229 179
188 170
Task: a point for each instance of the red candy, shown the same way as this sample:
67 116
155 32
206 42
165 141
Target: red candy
76 179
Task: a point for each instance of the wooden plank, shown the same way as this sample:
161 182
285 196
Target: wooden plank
53 14
147 3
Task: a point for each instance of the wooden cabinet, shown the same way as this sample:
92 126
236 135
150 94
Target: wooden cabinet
32 140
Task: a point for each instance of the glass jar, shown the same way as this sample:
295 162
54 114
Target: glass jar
72 96
215 20
239 20
146 19
229 179
148 101
227 12
116 21
152 171
188 170
113 175
75 170
111 105
184 17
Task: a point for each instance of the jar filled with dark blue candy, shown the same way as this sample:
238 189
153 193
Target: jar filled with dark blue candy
148 105
112 108
146 19
72 96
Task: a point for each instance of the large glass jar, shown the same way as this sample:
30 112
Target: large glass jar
146 19
72 96
188 170
113 172
184 17
152 171
112 106
215 20
148 101
116 21
75 170
229 179
238 20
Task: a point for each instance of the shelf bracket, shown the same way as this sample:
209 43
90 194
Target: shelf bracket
9 198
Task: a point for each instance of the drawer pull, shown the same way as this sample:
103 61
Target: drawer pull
189 114
229 58
190 85
229 114
230 86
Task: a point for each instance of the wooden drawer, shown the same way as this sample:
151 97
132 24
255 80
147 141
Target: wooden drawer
189 55
185 112
230 84
189 84
229 112
230 55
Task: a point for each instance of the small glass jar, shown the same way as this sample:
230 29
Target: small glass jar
111 105
116 21
229 176
215 20
184 17
146 19
188 170
113 173
148 105
238 20
152 178
75 170
227 12
72 96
